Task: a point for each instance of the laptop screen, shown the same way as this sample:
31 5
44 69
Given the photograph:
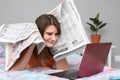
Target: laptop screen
94 59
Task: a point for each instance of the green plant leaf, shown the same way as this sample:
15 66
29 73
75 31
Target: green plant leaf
92 19
96 19
90 24
97 16
102 25
96 22
99 23
92 27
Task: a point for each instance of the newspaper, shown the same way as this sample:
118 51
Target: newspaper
73 34
19 36
15 32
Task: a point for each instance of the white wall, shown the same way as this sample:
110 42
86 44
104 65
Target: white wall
14 11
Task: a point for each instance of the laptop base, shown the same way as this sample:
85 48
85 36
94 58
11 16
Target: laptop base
71 74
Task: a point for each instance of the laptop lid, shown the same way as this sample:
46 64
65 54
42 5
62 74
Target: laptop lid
94 59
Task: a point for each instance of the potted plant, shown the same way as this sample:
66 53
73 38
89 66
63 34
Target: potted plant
95 26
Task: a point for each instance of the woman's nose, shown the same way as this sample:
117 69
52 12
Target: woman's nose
54 37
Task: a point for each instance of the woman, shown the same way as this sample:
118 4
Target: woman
50 30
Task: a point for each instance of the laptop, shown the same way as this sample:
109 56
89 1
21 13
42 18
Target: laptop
93 62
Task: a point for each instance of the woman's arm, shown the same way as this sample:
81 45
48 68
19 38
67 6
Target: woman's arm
22 62
62 65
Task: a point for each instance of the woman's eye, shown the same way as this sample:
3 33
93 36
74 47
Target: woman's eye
49 33
56 34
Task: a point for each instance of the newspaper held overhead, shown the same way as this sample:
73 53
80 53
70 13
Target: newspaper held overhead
73 34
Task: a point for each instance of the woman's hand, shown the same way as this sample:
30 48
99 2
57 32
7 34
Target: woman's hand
62 65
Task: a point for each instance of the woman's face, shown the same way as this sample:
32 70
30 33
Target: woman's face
50 35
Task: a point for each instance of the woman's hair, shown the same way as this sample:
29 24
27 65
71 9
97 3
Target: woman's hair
45 20
42 23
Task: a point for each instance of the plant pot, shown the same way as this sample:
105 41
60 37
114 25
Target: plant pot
95 38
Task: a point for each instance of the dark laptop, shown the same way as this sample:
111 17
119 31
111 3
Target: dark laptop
93 62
